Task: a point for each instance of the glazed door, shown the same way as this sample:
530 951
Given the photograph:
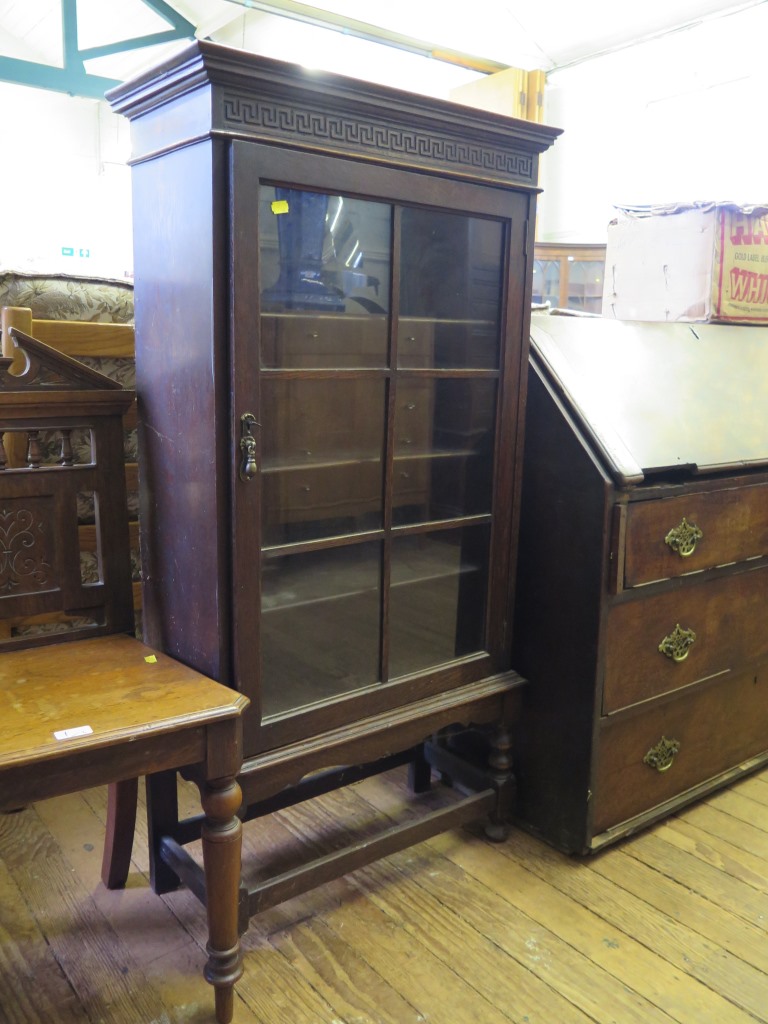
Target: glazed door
375 383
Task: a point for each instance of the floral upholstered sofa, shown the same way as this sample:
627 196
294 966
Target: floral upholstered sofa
60 297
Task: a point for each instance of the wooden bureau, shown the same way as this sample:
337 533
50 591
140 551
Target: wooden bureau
643 574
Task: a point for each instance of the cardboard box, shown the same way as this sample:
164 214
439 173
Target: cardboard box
695 262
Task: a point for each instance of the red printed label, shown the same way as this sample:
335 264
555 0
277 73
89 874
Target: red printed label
740 282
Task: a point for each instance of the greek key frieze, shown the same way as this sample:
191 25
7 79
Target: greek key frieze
287 122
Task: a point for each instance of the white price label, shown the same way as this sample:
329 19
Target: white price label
72 734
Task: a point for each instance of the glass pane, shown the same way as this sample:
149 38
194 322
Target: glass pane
443 448
322 445
437 597
585 285
320 625
450 285
323 260
546 281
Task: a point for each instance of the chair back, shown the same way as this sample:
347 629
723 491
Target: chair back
58 581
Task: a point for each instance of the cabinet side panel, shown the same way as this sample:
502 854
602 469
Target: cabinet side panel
512 421
557 622
182 435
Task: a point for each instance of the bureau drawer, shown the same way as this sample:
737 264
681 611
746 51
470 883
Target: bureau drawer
716 727
732 523
708 627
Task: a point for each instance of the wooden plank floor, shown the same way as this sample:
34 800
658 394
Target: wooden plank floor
670 926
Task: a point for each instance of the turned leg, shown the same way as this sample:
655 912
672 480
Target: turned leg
122 798
222 847
500 764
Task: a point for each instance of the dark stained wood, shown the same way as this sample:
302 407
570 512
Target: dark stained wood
79 712
599 592
480 703
151 713
276 890
121 823
41 569
272 101
727 615
225 385
97 341
557 623
183 407
716 726
734 523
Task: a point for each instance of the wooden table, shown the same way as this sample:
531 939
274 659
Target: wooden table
91 712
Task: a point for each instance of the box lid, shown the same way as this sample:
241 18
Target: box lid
655 397
665 209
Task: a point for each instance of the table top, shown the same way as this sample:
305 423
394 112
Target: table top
60 698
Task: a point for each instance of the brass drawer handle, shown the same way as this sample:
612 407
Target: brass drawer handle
662 755
678 643
682 538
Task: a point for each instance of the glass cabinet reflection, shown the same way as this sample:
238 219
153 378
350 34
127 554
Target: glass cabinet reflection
379 370
569 276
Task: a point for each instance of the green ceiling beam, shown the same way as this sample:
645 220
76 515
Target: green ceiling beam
73 78
43 76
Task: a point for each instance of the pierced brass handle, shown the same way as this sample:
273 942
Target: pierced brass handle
678 643
682 538
662 755
248 465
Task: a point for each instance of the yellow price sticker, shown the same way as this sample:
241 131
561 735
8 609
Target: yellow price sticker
280 206
151 659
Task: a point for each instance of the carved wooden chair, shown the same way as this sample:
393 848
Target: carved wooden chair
109 348
107 709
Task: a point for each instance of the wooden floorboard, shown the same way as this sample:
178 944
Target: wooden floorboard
667 927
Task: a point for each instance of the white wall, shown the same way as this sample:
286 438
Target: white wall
65 185
69 184
674 119
677 119
327 50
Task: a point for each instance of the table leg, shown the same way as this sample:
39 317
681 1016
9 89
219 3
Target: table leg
121 825
222 849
